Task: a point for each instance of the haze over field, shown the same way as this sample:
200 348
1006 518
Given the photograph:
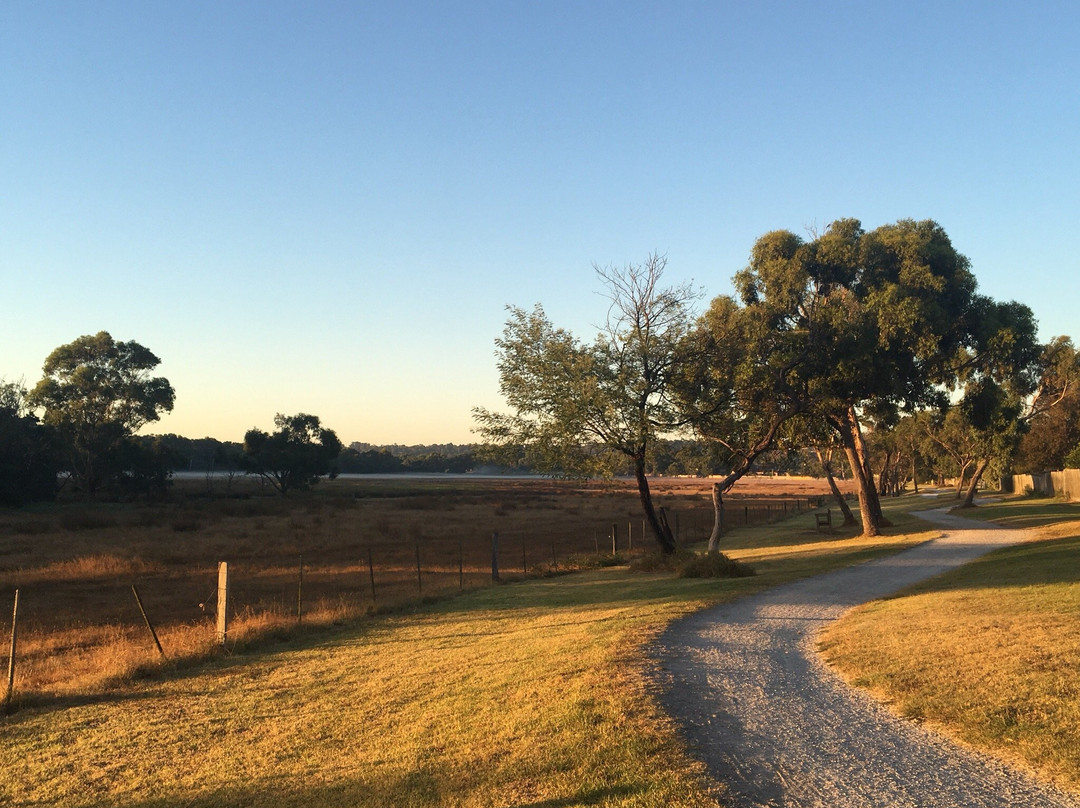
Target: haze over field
325 209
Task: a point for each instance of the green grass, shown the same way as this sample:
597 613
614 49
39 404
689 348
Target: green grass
1024 512
989 653
531 694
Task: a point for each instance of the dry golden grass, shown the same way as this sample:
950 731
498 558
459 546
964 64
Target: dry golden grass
527 695
75 564
987 653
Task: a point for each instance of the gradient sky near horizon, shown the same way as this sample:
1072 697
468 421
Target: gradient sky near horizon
325 207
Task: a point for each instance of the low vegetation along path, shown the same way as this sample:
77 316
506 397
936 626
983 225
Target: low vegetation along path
779 729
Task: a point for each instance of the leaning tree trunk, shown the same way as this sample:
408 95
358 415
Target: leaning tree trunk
841 500
885 477
864 455
664 537
980 469
869 507
960 479
718 517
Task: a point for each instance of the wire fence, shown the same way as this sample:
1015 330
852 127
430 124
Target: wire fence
130 620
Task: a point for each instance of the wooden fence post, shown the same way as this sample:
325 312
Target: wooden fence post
222 602
11 657
461 566
614 538
495 557
371 574
300 591
524 558
419 577
146 619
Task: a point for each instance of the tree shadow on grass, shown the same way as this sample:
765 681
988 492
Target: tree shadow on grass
417 789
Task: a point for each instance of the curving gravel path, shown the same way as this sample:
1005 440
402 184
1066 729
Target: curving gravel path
773 724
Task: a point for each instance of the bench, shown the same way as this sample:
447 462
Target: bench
824 520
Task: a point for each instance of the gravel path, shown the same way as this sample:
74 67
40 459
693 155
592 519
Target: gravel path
778 728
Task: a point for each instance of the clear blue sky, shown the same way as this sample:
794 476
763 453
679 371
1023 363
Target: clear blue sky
324 207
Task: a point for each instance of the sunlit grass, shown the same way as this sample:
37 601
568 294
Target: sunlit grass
531 694
989 652
1022 512
74 563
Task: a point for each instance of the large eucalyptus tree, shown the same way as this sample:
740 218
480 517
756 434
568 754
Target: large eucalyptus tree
96 393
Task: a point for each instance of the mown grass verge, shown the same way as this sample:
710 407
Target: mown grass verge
528 695
988 653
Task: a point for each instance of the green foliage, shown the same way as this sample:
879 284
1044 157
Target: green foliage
1054 422
29 461
1072 459
295 455
96 393
361 458
148 465
585 409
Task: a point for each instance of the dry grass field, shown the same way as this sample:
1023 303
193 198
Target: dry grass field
532 694
310 558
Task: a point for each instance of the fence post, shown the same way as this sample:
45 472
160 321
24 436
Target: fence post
554 558
371 574
146 619
461 567
11 657
300 591
629 538
419 576
495 557
222 602
524 560
614 538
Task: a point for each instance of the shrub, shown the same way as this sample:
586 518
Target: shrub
713 565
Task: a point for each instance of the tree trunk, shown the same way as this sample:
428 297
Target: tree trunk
884 488
868 473
841 500
914 474
847 425
661 531
980 469
718 517
960 479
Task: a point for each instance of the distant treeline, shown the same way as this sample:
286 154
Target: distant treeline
675 457
210 454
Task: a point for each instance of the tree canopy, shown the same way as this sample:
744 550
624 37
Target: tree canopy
29 461
583 408
96 393
295 455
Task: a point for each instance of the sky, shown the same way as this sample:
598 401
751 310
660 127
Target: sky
325 207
